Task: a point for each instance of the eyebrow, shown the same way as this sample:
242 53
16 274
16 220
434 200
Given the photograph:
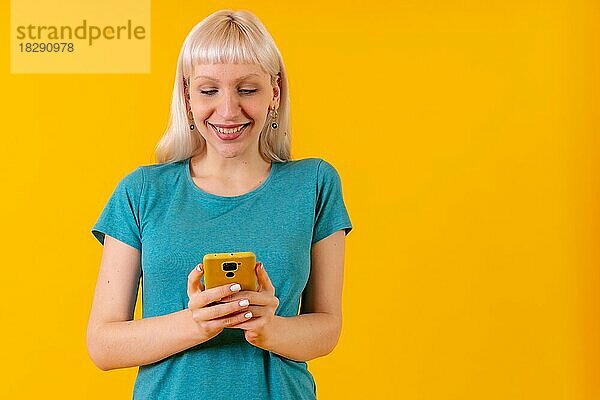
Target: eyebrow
216 80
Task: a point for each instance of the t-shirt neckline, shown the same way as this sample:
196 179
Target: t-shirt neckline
211 196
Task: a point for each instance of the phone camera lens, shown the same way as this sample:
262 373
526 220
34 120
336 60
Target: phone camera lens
229 266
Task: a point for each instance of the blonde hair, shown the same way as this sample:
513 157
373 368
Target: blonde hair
226 36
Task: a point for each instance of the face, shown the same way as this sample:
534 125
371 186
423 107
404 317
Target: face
230 104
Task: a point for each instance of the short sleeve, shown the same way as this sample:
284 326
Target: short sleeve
121 215
330 211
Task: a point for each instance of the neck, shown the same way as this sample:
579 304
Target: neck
241 167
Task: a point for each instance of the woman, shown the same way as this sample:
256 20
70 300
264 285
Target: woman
224 182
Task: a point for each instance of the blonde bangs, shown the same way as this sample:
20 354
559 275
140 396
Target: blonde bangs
226 41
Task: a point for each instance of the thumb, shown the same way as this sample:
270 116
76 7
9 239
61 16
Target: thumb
194 285
263 279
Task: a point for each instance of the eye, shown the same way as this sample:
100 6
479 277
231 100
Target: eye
207 92
248 91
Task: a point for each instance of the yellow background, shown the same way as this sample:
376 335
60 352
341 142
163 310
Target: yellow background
466 135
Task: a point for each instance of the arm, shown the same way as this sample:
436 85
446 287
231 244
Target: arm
114 339
315 332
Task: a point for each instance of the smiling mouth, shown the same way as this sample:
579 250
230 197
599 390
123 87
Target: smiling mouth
229 133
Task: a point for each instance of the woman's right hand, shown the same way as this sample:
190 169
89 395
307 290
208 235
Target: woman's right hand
212 319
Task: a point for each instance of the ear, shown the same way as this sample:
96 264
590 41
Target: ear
186 91
276 92
186 95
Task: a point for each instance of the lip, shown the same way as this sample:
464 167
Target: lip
230 126
224 137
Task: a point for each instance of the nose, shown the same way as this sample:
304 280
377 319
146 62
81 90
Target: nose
229 106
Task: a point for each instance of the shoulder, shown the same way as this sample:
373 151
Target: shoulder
315 166
161 169
132 181
312 173
151 177
162 173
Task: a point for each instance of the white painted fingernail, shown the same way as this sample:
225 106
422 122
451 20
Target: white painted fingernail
235 288
248 315
244 303
199 268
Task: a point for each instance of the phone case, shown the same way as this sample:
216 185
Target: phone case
224 268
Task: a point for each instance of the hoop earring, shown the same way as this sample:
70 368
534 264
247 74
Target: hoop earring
274 123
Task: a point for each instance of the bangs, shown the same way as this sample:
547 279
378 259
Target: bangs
227 42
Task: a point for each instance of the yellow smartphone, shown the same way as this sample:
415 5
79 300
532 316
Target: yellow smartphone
223 268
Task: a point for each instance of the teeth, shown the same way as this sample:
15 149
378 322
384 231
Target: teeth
229 130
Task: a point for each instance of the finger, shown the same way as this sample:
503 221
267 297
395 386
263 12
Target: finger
263 280
230 320
257 298
215 294
194 285
221 310
247 324
257 311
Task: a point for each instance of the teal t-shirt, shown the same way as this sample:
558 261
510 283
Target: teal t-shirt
159 210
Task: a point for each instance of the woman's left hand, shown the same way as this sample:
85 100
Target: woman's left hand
263 304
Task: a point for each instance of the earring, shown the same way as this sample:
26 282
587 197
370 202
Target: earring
274 123
189 111
191 117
